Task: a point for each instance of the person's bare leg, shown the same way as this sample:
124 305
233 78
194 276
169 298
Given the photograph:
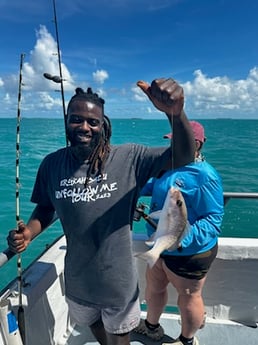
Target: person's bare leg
192 313
190 303
118 339
98 330
156 294
105 338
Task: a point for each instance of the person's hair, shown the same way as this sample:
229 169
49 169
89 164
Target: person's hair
86 96
100 154
199 145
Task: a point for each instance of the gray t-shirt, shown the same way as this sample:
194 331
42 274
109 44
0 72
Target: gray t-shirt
99 265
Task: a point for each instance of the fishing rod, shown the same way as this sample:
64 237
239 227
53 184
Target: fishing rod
7 254
55 78
58 78
21 320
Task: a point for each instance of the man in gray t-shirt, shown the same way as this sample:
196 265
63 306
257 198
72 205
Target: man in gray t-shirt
93 188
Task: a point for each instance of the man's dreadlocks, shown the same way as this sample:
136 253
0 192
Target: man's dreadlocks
100 154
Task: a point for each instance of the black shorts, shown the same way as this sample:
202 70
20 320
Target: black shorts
192 266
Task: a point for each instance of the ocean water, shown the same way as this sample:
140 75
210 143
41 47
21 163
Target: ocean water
231 147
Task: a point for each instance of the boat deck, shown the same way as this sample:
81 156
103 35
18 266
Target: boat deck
214 332
230 296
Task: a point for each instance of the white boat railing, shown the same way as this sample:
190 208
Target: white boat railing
230 292
238 195
7 254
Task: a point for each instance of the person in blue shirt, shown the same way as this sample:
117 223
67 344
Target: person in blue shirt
185 268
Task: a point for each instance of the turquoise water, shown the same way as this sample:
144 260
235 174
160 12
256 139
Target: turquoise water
232 147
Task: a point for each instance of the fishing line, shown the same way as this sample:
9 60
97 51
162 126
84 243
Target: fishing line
172 142
21 321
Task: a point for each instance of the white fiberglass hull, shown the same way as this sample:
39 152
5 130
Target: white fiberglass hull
230 294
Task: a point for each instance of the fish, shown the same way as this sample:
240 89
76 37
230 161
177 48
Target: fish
171 229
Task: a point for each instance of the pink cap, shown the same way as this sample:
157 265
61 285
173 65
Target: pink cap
198 131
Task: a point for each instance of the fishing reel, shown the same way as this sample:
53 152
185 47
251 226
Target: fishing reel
139 212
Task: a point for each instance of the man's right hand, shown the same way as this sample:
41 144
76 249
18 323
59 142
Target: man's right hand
165 94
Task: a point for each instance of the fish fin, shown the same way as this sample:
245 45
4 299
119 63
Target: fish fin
185 232
150 241
148 256
155 214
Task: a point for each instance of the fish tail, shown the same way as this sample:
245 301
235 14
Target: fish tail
150 256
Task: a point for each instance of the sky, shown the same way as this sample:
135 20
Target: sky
210 47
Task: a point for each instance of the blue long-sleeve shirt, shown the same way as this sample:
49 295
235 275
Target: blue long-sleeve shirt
202 190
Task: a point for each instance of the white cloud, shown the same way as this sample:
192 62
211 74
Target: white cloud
38 91
149 110
100 76
7 98
206 95
42 59
217 96
48 101
138 94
